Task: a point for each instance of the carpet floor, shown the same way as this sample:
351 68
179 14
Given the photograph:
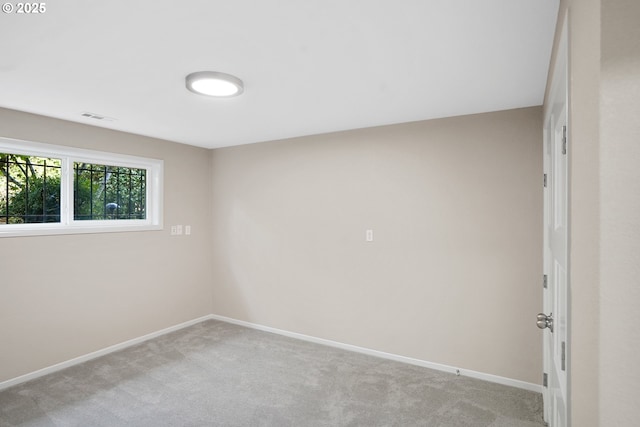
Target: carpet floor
219 374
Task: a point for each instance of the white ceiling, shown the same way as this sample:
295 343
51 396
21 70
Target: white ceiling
309 66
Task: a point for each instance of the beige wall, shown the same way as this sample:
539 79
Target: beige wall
454 273
620 213
66 296
452 276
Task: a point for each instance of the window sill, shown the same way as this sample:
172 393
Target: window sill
60 229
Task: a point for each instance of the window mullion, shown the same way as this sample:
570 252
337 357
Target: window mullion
66 191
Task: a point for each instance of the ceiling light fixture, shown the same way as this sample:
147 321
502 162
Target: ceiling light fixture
213 83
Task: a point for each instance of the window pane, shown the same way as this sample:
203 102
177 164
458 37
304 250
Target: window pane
103 192
29 189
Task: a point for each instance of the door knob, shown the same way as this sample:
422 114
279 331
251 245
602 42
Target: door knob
544 321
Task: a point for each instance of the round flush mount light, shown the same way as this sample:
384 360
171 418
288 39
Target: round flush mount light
213 83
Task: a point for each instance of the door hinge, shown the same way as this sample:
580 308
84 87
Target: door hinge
545 180
545 380
564 140
563 359
544 281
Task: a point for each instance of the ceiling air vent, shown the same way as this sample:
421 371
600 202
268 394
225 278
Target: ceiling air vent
97 117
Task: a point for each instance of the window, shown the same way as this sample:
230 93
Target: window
46 189
108 192
29 189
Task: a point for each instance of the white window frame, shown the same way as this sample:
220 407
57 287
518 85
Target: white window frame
68 155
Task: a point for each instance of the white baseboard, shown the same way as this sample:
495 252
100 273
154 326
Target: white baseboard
440 367
77 360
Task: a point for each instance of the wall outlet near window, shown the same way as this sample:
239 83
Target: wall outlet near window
174 230
179 230
187 230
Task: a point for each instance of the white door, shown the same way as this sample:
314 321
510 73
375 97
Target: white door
555 320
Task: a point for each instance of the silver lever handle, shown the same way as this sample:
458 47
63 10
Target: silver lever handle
544 321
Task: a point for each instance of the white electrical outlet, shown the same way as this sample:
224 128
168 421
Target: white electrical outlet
187 230
179 229
174 230
369 235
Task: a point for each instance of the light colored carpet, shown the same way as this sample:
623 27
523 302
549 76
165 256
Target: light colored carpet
219 374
